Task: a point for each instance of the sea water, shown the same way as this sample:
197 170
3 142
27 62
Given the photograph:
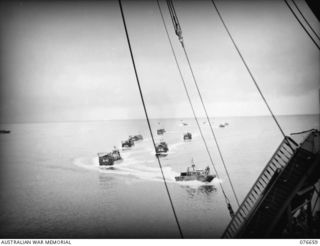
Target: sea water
52 185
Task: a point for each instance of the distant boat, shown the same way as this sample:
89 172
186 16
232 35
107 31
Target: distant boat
105 159
108 159
161 131
221 125
116 154
127 144
162 149
187 136
194 174
183 123
136 137
4 131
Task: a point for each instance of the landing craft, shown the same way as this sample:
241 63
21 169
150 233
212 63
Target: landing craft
105 159
161 131
136 137
224 125
108 159
4 131
127 144
116 154
183 123
162 149
187 136
194 174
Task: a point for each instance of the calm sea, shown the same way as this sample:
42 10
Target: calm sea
52 185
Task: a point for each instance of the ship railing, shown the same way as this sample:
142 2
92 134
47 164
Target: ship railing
278 161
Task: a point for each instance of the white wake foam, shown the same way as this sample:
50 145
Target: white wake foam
129 166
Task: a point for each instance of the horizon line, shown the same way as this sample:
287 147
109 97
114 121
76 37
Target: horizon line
161 118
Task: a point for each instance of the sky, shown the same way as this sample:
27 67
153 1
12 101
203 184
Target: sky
69 61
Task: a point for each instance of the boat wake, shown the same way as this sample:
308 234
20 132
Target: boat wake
140 164
173 147
147 170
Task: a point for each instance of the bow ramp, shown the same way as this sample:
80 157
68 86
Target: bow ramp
269 207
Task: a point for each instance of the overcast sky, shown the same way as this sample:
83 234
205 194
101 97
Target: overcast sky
63 61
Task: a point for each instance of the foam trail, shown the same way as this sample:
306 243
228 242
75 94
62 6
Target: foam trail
217 180
129 167
140 170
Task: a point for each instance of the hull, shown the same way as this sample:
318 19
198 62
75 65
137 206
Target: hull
136 138
127 145
4 131
106 161
201 178
162 149
187 136
105 164
161 131
161 154
117 158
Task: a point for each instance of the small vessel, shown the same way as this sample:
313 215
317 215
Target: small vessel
187 136
224 125
161 131
162 149
108 159
116 154
184 123
136 137
4 131
105 159
194 174
127 143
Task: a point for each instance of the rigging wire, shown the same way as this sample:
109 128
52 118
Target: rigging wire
147 118
251 75
170 5
175 21
305 19
316 201
301 24
211 128
191 105
296 133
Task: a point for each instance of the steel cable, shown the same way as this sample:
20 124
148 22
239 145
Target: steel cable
189 99
251 75
315 33
301 24
205 110
147 118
